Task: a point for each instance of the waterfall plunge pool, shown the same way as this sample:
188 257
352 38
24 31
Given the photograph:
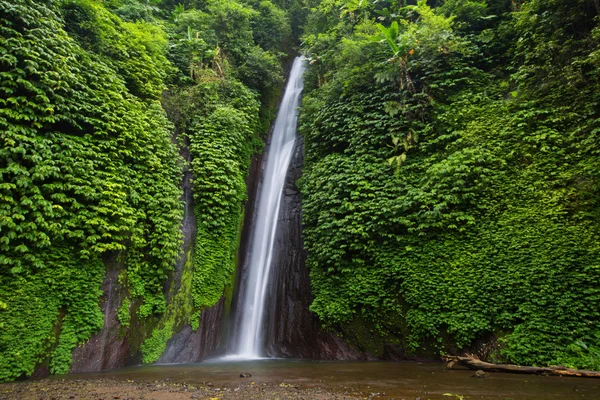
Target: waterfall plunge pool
331 379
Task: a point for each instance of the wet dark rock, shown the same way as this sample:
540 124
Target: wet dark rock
292 330
190 346
107 349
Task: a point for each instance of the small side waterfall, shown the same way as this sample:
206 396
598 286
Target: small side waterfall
249 332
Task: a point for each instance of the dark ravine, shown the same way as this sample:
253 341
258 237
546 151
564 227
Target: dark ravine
189 226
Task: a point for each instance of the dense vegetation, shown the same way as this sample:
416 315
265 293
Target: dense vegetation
452 182
451 189
96 100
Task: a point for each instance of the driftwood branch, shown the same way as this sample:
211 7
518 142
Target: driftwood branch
476 364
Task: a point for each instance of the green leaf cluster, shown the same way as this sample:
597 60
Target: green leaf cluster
220 150
487 229
136 50
231 52
88 170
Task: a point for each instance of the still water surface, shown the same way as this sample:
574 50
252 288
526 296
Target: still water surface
398 380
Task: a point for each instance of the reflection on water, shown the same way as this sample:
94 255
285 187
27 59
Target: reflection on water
406 380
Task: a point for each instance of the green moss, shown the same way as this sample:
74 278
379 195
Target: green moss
137 50
221 143
177 314
156 344
123 315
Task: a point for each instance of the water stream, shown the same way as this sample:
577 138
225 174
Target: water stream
249 332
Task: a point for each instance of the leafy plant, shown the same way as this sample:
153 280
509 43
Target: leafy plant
474 236
88 170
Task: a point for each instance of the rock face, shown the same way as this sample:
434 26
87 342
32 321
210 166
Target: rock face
107 349
188 346
292 330
115 346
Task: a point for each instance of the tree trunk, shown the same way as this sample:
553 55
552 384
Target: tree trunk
476 364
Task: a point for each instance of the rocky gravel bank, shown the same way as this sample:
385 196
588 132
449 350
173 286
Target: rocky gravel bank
113 389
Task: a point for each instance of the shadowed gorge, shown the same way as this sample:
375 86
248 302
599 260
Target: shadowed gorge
273 292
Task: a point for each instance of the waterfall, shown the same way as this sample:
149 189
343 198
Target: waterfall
249 333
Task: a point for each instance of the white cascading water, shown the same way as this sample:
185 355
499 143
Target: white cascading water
249 334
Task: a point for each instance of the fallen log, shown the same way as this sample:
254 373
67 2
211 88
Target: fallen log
474 363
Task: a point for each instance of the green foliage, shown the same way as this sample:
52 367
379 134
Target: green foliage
87 169
261 71
579 353
251 39
221 144
62 297
270 26
488 224
232 23
136 50
466 13
134 10
90 171
156 344
124 315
